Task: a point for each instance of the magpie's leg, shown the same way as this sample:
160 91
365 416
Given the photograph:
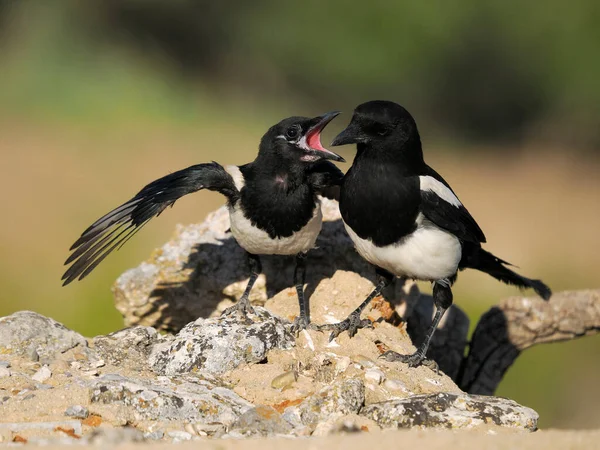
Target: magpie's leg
303 320
243 306
353 322
442 299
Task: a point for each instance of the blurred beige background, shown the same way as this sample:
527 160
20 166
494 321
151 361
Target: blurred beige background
99 98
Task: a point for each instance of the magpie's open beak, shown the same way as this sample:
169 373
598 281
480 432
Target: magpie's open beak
313 148
351 135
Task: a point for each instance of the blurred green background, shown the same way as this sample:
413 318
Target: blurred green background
98 98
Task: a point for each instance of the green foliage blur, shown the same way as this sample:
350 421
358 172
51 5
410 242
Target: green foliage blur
99 97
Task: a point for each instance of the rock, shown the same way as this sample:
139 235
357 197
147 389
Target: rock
105 437
4 364
27 333
261 421
178 436
445 410
77 411
341 398
284 380
220 344
154 435
209 429
185 400
375 376
346 424
42 375
202 269
130 346
74 425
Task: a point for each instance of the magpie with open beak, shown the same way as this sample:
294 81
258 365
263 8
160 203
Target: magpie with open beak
273 204
405 219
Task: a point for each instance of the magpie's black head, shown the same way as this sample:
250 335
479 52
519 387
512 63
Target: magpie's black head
380 124
298 139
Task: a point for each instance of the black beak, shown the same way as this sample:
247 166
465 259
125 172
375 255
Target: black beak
313 137
350 135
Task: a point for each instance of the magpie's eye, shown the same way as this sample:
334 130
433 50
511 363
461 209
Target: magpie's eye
292 133
381 130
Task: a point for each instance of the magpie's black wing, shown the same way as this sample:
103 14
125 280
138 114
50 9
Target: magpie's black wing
118 226
441 206
325 177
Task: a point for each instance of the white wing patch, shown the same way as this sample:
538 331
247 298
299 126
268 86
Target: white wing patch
236 174
440 189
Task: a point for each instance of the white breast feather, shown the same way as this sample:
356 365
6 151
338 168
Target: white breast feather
258 242
429 253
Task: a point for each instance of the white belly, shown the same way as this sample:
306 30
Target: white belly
429 253
258 242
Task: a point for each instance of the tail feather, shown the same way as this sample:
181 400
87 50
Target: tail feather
477 258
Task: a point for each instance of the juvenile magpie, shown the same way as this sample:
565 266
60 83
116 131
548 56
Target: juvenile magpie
273 204
404 218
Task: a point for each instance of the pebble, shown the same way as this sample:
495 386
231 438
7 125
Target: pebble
284 380
4 364
209 429
59 366
434 382
77 411
364 361
4 372
42 375
154 435
342 363
395 385
33 355
99 363
374 375
179 435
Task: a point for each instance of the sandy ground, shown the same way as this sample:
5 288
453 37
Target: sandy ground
429 440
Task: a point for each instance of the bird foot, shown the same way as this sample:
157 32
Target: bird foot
351 324
240 309
301 323
414 360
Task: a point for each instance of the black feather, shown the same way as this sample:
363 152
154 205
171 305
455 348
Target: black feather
114 229
455 219
475 257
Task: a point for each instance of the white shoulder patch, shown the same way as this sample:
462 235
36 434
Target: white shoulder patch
236 174
440 189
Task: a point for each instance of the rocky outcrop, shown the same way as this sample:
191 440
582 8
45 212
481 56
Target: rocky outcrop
227 377
454 411
217 345
29 334
222 378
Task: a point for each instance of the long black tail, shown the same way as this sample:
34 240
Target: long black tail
475 257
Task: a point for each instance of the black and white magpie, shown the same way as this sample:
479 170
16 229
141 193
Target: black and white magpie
404 218
273 204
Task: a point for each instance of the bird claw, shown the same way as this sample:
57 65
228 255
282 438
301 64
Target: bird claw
241 309
414 360
301 323
351 324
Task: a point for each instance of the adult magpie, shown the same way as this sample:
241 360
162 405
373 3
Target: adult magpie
405 219
273 204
